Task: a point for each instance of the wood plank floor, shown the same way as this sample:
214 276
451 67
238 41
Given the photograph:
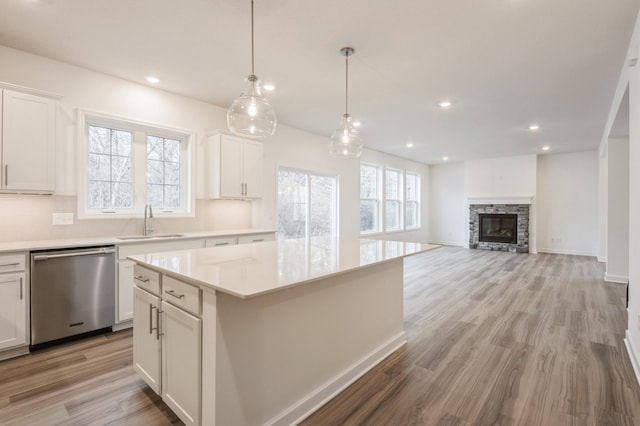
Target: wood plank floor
493 338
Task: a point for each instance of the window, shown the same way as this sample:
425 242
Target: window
307 204
393 200
164 161
125 165
399 193
412 204
369 198
110 168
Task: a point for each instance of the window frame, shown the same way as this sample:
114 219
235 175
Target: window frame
140 132
417 201
400 201
382 168
377 199
310 173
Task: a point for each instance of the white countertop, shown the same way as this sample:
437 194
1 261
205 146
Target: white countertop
121 240
251 270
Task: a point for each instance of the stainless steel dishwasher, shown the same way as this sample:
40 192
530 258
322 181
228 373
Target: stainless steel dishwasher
72 292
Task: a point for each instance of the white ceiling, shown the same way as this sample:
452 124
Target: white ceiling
504 63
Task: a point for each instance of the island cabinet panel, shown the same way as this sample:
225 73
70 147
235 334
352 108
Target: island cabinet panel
181 365
146 338
275 358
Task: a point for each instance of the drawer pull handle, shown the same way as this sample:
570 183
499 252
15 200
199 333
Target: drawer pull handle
258 240
221 244
173 293
10 264
142 279
21 291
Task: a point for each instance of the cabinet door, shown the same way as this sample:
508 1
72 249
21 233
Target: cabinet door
252 167
13 304
181 363
28 142
231 182
125 291
146 338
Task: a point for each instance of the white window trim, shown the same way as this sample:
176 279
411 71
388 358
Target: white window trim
380 190
86 117
401 213
418 196
316 173
383 201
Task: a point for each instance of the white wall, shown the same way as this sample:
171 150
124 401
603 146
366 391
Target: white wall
568 203
618 210
28 217
603 200
631 76
447 224
501 177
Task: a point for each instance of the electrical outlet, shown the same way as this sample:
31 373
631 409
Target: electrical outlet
62 219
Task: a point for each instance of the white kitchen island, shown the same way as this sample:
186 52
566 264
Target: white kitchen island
266 333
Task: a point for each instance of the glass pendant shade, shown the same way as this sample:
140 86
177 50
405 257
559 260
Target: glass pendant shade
346 141
251 115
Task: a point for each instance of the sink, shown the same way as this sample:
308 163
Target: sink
150 237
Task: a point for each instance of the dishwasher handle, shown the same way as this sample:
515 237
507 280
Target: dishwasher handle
73 254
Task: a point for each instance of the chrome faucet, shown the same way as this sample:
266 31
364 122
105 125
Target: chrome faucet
148 215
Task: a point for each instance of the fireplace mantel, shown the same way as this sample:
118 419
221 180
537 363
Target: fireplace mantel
498 200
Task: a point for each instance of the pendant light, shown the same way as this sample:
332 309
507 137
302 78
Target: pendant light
251 115
346 141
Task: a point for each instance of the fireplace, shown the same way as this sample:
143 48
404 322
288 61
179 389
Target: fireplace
498 228
503 227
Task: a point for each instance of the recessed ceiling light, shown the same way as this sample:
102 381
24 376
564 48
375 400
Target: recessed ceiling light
445 158
546 148
269 87
445 104
153 80
409 145
534 127
356 124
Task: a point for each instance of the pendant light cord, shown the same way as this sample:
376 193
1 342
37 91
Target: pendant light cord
346 95
252 54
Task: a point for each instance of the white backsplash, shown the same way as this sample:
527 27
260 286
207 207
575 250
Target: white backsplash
29 218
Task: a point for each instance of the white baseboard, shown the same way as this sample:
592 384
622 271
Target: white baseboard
632 356
448 243
304 407
12 353
616 279
569 252
122 325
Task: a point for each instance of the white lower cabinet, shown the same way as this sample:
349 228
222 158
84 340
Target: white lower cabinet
167 341
14 302
146 338
181 352
13 305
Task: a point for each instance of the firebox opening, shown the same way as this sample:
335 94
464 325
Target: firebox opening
499 228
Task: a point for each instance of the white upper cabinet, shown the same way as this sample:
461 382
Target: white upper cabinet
28 143
235 167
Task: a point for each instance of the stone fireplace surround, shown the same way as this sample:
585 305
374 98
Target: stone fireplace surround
511 205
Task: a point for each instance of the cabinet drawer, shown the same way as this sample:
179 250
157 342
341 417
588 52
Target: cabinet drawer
256 238
221 241
181 294
12 262
146 279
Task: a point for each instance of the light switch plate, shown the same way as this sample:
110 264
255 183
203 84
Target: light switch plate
62 219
